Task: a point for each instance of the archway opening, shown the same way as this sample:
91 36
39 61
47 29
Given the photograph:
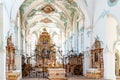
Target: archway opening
113 42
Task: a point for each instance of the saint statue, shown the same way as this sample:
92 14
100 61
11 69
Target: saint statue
44 29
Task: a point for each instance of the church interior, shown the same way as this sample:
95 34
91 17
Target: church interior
59 40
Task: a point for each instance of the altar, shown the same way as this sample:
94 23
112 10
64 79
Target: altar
45 51
93 73
13 75
56 74
97 66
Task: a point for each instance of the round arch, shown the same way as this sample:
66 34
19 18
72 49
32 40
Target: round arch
116 42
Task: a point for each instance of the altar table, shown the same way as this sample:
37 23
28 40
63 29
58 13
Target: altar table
13 75
93 73
56 74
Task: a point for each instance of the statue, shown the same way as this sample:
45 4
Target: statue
9 40
44 29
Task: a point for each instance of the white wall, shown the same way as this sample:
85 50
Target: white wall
105 29
2 65
6 28
2 50
111 24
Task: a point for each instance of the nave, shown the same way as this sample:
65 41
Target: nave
60 39
69 78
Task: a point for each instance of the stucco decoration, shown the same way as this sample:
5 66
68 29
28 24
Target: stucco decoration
102 15
86 3
81 30
112 3
88 33
52 1
98 38
72 2
48 9
31 13
46 20
8 34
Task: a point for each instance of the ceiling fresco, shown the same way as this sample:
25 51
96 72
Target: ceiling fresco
58 14
112 3
46 20
48 9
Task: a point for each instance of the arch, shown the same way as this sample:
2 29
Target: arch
56 5
116 46
117 62
116 19
83 8
16 7
113 16
59 22
111 30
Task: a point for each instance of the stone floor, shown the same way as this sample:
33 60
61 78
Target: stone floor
68 78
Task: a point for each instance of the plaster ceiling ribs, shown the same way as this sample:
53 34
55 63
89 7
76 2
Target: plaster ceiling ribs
36 14
46 20
48 8
51 14
33 6
60 25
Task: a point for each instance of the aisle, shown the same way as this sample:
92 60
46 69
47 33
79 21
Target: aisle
69 78
34 79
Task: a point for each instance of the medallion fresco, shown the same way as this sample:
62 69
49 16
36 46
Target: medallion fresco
112 3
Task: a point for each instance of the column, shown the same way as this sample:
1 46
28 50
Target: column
19 41
75 41
2 47
18 62
71 40
78 38
109 66
109 55
16 35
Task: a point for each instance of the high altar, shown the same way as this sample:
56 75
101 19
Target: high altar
45 51
46 57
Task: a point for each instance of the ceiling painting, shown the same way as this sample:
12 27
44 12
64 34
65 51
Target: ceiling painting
112 3
57 14
46 20
48 9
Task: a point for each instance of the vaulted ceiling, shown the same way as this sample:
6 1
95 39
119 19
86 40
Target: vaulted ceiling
57 14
